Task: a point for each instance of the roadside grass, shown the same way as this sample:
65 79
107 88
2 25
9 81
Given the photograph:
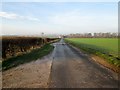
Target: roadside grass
103 47
25 58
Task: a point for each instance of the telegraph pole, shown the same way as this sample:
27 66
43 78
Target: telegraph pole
42 34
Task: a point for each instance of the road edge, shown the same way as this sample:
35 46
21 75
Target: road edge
101 61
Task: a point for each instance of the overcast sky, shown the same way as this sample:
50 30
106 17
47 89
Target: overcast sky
26 18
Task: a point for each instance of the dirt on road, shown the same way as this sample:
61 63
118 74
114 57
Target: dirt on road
65 67
32 75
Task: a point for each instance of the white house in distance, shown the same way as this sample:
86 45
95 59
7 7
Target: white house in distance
60 36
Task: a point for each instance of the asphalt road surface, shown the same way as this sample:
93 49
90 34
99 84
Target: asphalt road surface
65 67
73 69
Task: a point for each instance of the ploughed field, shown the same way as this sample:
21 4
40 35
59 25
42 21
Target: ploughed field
103 47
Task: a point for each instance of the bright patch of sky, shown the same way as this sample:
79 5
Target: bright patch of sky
26 18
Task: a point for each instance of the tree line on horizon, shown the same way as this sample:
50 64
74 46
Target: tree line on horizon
94 35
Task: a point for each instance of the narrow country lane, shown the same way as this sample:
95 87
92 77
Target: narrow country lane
73 69
65 67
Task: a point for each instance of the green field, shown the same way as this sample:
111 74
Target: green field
104 47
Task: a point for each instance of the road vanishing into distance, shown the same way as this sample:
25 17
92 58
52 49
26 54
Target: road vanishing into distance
73 69
64 67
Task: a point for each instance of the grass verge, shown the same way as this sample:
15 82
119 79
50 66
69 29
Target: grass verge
92 49
33 55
